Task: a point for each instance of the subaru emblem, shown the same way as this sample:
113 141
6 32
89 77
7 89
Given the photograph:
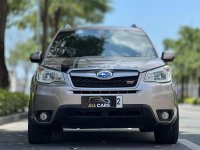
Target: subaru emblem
104 75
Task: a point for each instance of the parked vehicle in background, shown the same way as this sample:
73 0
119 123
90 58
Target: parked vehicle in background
102 77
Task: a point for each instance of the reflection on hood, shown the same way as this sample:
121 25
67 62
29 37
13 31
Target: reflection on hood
139 63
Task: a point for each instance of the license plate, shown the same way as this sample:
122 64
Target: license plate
102 101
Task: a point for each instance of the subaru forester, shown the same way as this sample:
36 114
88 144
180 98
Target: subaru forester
102 77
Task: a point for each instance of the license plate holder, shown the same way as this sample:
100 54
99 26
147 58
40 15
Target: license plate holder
102 101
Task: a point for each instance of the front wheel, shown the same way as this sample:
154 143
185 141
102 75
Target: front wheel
168 135
37 134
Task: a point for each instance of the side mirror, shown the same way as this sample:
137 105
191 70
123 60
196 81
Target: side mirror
36 57
168 56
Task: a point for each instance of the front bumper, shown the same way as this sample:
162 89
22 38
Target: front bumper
148 98
131 116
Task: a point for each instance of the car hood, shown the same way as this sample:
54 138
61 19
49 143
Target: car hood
139 63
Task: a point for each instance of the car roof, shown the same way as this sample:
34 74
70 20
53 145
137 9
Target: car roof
136 29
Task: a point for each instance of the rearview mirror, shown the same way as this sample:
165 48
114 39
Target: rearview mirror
168 56
36 57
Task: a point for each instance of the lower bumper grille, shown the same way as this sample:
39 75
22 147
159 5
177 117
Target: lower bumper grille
133 116
103 113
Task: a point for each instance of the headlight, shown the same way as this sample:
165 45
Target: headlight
163 74
45 75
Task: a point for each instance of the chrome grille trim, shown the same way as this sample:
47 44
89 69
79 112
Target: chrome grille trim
93 73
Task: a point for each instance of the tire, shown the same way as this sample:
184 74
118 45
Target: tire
168 134
37 134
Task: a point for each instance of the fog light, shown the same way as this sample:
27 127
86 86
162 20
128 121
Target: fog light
165 115
43 116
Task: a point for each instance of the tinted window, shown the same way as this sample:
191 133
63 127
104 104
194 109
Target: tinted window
79 43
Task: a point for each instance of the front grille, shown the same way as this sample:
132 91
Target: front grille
90 82
106 92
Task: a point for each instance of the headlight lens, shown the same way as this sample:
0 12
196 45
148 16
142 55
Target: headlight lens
45 75
163 74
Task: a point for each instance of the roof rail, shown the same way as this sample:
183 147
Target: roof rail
67 26
134 26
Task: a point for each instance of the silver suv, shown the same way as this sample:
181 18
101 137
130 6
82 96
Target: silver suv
102 77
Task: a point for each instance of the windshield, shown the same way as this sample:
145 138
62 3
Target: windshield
106 43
